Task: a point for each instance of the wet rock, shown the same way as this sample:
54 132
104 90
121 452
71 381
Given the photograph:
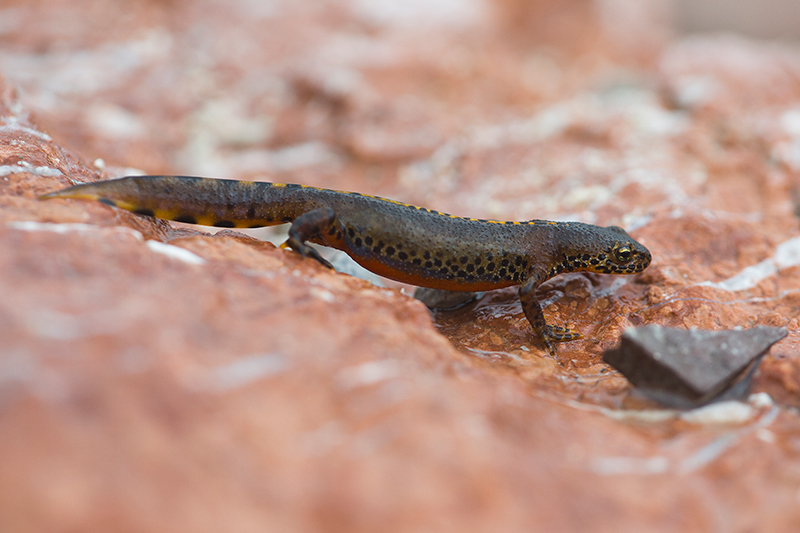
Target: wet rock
686 368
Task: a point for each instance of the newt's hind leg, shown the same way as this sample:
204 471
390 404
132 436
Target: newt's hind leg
535 315
305 227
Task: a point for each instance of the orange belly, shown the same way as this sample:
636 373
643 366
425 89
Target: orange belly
420 280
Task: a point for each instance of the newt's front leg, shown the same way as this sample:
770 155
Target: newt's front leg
535 315
306 226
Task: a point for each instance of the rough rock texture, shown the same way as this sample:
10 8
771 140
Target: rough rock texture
157 378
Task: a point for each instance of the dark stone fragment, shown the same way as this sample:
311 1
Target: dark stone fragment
688 368
444 300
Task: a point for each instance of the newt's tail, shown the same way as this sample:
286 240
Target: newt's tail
205 201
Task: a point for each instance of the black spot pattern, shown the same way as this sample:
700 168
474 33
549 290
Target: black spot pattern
187 219
601 263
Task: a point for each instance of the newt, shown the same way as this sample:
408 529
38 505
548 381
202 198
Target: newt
396 240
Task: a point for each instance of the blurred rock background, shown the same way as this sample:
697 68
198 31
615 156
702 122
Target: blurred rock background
158 378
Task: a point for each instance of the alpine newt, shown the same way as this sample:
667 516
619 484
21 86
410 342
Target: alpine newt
399 241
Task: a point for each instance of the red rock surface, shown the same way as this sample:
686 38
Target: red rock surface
155 378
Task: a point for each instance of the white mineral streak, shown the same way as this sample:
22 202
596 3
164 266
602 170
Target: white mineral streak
787 254
243 372
740 415
24 166
175 252
32 225
368 373
169 250
12 124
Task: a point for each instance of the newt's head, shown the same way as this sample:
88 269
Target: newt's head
587 248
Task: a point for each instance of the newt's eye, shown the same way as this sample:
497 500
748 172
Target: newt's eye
622 253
